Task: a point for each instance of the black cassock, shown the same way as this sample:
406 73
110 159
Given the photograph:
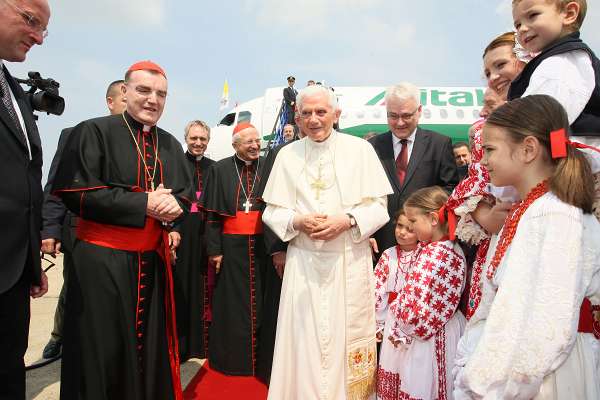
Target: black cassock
238 295
191 272
119 334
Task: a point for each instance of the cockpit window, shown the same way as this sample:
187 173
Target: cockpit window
244 116
228 119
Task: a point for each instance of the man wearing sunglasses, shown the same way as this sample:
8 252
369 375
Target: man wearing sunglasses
22 25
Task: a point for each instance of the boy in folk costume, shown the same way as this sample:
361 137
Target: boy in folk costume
563 67
532 335
426 325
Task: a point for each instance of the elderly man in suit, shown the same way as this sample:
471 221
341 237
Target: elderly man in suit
22 25
412 157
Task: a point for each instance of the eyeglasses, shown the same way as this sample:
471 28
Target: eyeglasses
31 21
404 117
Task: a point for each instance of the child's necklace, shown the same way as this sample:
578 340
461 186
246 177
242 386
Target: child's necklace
510 225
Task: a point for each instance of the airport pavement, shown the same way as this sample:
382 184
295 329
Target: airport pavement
44 383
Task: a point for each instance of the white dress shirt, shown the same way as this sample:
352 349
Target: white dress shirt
398 146
568 77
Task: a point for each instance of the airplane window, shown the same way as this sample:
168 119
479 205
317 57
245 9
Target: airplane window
244 116
444 113
228 119
460 114
427 113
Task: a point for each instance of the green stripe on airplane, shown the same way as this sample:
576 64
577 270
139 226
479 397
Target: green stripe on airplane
441 98
376 99
458 133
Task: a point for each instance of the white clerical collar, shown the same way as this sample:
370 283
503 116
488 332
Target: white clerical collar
198 158
323 143
146 128
410 139
245 161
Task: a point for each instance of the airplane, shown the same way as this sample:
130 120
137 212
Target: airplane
447 110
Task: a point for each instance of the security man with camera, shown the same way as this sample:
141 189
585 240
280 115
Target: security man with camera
23 24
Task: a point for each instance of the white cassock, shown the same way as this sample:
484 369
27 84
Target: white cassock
325 346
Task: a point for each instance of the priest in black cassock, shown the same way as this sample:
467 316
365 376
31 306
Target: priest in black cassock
235 248
192 279
125 179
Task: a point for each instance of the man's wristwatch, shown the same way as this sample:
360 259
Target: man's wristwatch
352 220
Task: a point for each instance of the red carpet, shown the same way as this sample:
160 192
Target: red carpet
209 384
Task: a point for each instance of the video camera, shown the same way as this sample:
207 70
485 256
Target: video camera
47 99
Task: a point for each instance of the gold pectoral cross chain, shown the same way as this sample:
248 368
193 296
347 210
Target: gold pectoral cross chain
318 184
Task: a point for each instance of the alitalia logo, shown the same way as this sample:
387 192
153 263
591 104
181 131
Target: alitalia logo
441 98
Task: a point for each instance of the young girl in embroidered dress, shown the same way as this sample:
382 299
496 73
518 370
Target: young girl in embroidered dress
425 325
532 334
390 274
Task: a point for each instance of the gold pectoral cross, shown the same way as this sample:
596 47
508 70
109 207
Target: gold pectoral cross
318 184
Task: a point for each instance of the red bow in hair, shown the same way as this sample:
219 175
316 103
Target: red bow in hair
559 142
447 214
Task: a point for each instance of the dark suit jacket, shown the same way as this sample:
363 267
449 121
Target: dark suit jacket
289 95
431 163
57 221
20 195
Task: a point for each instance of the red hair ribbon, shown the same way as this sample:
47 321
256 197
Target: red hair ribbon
241 126
559 142
447 214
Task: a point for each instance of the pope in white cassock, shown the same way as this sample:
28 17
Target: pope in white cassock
326 195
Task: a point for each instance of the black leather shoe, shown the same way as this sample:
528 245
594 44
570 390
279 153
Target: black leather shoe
52 349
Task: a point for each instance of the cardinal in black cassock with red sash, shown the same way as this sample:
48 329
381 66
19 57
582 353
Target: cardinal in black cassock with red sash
120 339
193 279
234 235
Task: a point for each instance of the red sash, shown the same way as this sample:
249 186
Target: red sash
586 319
121 237
151 237
243 224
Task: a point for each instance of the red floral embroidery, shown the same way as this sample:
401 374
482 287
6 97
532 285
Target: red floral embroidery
475 184
430 298
475 288
388 386
440 356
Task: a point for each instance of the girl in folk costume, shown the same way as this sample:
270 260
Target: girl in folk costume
482 207
532 334
390 274
426 325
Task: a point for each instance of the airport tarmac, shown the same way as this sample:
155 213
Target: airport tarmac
44 383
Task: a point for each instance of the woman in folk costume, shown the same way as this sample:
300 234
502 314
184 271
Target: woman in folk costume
532 334
480 206
426 325
390 275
